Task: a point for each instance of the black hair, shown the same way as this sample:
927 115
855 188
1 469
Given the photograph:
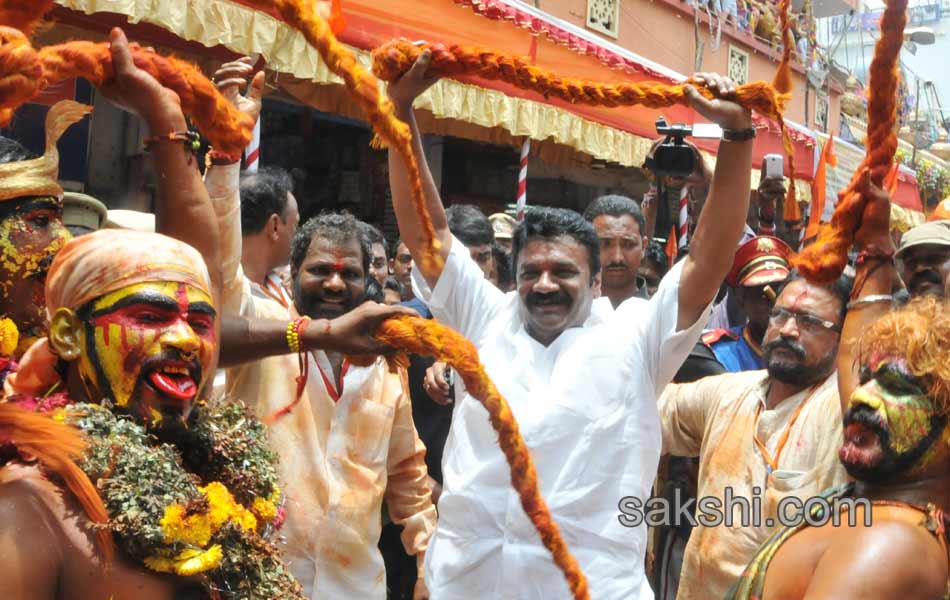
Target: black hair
263 194
656 254
374 291
13 151
840 288
615 205
393 248
549 223
373 236
502 266
469 225
337 227
391 283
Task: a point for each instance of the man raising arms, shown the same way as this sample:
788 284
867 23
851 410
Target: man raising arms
581 379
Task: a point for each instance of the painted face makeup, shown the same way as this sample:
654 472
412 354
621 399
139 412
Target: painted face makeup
891 425
150 347
31 233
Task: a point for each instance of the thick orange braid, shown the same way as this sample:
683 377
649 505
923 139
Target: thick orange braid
394 58
825 260
429 338
25 72
23 14
783 83
302 15
55 446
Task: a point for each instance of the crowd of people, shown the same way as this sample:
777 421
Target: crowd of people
225 424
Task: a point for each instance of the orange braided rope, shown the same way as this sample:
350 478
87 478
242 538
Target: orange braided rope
25 72
394 58
825 260
303 16
56 447
429 338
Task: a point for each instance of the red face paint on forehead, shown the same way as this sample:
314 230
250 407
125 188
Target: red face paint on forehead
338 264
181 294
797 302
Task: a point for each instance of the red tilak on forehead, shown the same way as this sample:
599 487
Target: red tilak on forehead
181 294
797 303
338 264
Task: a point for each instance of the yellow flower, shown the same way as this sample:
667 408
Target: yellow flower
9 337
194 530
187 563
264 509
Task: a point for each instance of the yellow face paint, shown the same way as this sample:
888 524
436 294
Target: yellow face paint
30 235
150 347
904 408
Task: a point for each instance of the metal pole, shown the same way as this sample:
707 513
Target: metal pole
913 129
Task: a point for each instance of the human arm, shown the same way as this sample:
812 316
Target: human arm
245 340
877 275
648 207
222 180
724 215
183 210
402 93
435 385
683 410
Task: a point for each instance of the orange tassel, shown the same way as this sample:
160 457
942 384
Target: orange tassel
56 446
825 260
429 338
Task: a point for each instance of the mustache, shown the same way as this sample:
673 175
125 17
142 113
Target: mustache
534 299
867 416
794 347
925 277
616 265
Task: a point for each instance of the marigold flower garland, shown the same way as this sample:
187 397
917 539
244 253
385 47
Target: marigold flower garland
171 514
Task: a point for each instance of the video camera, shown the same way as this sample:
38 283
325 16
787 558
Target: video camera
673 157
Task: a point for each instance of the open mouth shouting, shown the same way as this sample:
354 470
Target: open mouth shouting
174 380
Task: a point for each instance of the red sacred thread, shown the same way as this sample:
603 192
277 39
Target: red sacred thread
303 16
428 338
394 58
25 72
825 260
56 446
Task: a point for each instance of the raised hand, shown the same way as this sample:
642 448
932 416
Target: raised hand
407 88
232 76
722 110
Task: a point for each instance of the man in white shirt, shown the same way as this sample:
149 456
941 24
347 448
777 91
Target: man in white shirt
581 379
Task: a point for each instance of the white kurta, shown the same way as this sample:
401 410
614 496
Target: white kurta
586 406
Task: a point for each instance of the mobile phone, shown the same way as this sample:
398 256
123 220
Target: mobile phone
450 380
774 166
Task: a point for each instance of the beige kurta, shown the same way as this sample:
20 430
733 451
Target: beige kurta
714 418
339 458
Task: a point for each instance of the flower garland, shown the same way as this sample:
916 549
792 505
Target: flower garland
201 507
933 180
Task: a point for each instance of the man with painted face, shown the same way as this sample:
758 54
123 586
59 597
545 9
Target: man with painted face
764 434
31 225
620 227
894 387
580 377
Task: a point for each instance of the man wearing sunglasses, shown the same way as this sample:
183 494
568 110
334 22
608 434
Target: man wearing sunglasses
762 435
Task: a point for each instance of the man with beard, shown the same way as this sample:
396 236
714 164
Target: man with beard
580 378
761 434
761 265
344 432
894 384
891 541
619 225
924 256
